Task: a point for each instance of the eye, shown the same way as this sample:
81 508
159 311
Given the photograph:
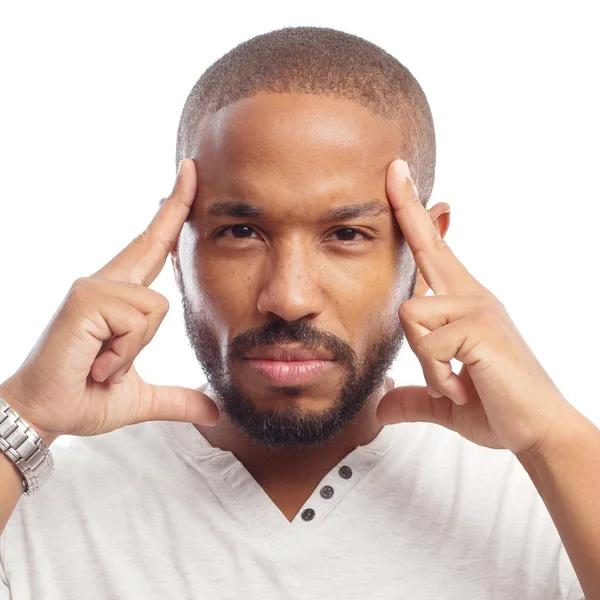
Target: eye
348 234
237 232
244 232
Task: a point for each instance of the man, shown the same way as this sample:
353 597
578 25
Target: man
303 252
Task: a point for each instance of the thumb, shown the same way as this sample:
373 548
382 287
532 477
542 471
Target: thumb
412 403
176 403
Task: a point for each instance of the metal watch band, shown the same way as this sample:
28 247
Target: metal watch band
25 448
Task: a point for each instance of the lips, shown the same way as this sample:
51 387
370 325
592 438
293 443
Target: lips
289 365
289 353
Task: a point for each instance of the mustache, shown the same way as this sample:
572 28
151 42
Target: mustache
282 332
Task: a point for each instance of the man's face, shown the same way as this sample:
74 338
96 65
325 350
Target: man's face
291 247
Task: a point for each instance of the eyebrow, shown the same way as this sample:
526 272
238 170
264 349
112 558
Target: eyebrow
238 208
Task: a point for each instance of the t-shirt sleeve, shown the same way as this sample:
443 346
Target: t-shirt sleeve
568 578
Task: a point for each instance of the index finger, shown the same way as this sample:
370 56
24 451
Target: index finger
440 268
144 257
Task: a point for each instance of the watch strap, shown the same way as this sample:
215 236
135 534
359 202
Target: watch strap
25 448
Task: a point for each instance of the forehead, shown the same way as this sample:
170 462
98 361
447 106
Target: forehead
300 141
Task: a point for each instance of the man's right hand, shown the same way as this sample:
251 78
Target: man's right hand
70 382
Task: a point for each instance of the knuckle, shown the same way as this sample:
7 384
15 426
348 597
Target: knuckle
79 294
130 345
421 348
486 317
79 303
142 324
139 287
407 309
148 237
497 306
156 239
80 282
162 304
136 279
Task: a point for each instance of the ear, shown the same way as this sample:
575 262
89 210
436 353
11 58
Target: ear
176 266
176 270
175 259
440 216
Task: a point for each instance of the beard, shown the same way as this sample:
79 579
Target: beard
289 426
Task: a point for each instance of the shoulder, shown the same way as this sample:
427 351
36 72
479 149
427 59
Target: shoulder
107 453
90 469
448 468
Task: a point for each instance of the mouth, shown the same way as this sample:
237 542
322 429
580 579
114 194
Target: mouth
289 365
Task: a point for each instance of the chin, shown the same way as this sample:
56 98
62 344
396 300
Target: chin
263 387
302 397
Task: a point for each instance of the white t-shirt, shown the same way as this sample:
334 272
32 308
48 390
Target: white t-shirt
154 511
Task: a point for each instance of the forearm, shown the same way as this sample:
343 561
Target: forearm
11 488
566 473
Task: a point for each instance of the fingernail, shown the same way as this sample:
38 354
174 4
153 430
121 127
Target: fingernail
403 168
122 377
179 166
433 393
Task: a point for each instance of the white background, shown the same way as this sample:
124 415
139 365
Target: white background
90 103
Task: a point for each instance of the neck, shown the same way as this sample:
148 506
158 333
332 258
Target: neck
295 468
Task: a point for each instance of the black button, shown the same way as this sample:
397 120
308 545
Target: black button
326 492
345 472
308 514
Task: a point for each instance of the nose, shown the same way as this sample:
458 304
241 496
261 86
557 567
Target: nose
291 290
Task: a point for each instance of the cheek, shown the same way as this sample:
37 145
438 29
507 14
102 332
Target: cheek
227 289
217 290
364 297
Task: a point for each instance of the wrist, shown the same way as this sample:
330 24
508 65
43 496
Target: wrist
569 432
9 391
24 444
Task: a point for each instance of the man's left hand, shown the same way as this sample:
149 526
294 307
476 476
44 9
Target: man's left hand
502 397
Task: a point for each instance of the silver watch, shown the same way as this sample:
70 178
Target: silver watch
25 448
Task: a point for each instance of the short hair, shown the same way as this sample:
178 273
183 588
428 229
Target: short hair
319 61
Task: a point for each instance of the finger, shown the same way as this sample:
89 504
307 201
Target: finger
144 257
433 392
438 348
119 376
108 366
420 316
109 317
411 404
175 403
149 302
440 268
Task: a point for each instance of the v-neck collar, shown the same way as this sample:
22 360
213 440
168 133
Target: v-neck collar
194 447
